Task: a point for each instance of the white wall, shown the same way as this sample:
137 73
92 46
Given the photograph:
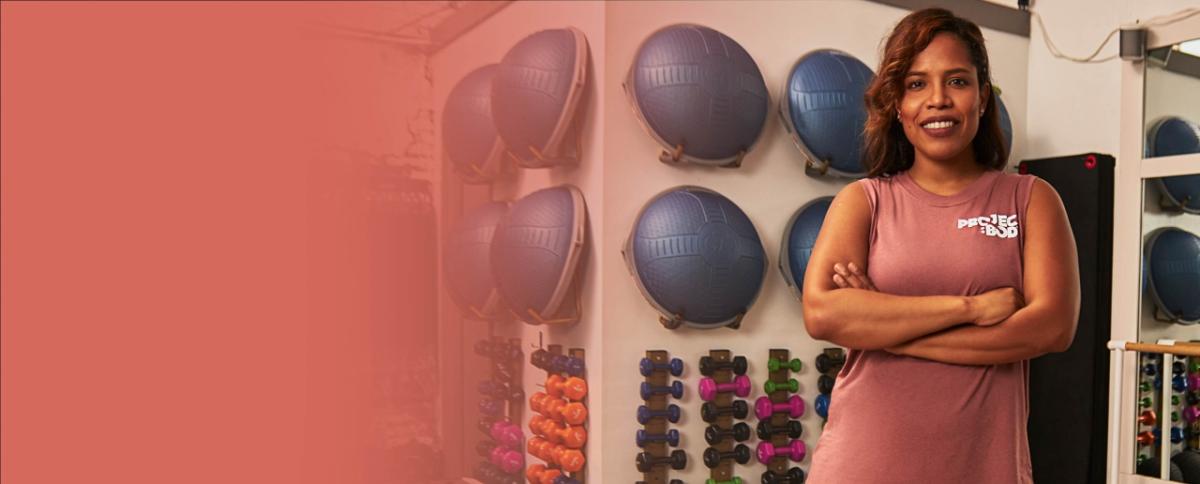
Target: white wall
769 187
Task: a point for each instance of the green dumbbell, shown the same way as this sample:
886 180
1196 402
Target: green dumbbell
1174 416
792 385
1144 387
776 365
735 480
1174 399
1194 365
1145 402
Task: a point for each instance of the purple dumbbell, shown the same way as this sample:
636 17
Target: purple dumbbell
509 460
764 409
507 434
644 414
1191 413
795 450
709 388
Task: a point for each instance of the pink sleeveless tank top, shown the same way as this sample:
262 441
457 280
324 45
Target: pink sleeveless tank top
897 419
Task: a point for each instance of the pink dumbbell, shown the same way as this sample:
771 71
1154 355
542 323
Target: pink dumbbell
795 450
764 409
509 460
1191 413
507 434
1194 380
709 388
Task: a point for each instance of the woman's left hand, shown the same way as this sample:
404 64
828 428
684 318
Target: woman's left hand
851 276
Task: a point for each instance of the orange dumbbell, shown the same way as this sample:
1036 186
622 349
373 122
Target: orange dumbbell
539 474
574 388
573 413
548 429
535 424
537 402
540 448
571 460
572 437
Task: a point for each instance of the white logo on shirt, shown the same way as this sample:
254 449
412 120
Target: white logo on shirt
995 225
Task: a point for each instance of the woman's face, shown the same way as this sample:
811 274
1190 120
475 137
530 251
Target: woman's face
942 101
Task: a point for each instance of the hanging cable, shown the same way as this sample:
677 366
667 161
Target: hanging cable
1091 59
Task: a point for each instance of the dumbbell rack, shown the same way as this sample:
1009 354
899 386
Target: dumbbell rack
658 425
577 477
723 472
505 370
779 465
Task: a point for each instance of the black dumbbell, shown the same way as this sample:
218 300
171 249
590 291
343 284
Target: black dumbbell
648 390
827 363
671 438
714 434
713 457
567 364
541 359
710 411
501 390
648 366
765 430
794 475
708 366
825 384
677 460
644 414
498 350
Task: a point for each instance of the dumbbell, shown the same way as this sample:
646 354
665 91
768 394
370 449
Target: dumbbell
541 359
507 433
1192 398
708 366
485 424
571 413
571 460
565 480
539 474
671 438
648 366
792 385
825 384
1146 438
567 364
500 390
508 460
821 405
794 364
572 436
1191 414
709 388
714 434
713 457
677 460
794 475
827 363
794 450
1150 369
792 429
491 407
574 388
764 408
490 474
1194 381
1177 367
675 389
1179 383
709 412
498 350
734 480
644 414
1145 387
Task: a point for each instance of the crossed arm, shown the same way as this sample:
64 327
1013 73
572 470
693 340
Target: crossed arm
842 305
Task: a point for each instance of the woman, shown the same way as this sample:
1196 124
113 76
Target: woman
941 274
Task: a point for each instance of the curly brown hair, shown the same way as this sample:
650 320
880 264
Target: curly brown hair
887 150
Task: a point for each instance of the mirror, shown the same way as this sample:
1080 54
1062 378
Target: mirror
1170 294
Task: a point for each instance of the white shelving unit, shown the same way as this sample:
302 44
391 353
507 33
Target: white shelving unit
1132 171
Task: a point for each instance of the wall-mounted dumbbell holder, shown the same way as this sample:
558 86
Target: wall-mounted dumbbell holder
500 405
724 369
656 414
564 365
779 379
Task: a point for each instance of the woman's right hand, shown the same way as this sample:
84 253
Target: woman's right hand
995 306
